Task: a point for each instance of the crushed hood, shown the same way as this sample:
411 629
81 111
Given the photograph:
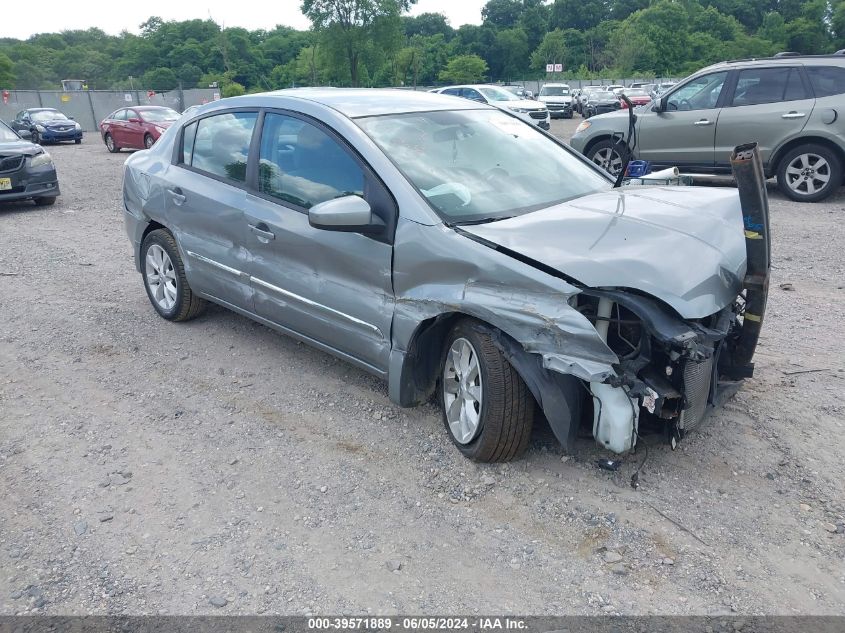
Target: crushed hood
683 245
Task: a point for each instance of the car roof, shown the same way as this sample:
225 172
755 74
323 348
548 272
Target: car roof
148 107
786 60
360 102
41 110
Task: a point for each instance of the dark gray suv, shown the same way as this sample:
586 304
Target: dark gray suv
792 106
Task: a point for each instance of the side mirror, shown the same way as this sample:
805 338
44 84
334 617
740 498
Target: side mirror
351 214
661 104
25 134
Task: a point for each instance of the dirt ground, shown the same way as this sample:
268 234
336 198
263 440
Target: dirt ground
219 467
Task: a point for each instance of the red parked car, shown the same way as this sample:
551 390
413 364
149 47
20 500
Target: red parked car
638 97
137 127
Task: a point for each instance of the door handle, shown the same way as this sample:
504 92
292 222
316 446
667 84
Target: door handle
262 231
793 115
177 195
703 122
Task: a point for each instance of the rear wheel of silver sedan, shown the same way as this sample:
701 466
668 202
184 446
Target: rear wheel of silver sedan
487 408
608 156
809 173
164 278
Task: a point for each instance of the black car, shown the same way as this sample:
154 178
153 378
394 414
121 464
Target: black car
47 125
27 172
600 103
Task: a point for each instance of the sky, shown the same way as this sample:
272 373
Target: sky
58 15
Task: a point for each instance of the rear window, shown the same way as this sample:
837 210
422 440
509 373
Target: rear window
221 144
826 80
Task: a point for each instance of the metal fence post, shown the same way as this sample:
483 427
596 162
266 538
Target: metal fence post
93 114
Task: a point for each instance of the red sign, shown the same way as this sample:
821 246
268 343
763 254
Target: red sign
5 96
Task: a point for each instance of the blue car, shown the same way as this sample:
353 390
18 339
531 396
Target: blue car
47 125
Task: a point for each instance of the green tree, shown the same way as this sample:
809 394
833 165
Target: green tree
577 14
350 25
510 54
159 79
427 24
501 14
7 77
551 50
233 89
464 69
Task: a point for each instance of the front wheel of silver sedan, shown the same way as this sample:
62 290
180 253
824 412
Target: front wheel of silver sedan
164 278
488 410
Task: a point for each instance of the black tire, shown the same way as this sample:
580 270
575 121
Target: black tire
35 137
77 141
148 141
44 202
611 162
507 408
110 144
810 160
187 304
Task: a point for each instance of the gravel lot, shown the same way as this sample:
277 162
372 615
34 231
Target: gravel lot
219 467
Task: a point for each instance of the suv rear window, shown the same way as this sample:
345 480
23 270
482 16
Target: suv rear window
826 80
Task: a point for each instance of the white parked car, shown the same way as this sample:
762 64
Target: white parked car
526 109
558 99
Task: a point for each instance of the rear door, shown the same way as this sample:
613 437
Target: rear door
333 287
206 192
768 106
685 133
115 123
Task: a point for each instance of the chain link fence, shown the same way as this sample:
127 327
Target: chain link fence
89 107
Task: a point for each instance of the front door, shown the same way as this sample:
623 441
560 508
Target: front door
684 133
332 287
205 196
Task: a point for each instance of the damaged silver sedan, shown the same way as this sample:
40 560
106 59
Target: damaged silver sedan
456 252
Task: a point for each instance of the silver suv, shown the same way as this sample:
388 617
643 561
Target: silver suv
792 106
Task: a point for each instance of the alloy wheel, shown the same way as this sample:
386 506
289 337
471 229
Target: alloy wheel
608 159
807 174
161 277
462 391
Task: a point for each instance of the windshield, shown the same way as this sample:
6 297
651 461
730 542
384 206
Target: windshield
636 93
553 91
497 94
599 96
6 134
471 164
154 116
47 115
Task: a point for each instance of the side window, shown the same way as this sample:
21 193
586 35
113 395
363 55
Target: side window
472 93
302 165
120 115
756 86
455 92
221 144
827 80
702 93
188 136
130 114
